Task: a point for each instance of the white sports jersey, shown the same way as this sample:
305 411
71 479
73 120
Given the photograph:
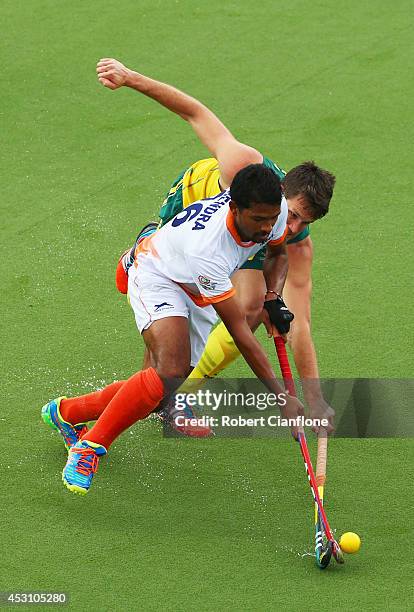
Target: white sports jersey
200 248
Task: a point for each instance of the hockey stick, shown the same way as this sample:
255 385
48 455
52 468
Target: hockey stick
332 546
323 551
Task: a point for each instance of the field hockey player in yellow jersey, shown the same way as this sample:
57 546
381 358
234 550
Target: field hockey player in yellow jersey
308 190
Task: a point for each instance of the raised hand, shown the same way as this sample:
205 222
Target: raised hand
111 73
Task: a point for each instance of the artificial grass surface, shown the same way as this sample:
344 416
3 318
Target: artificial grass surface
224 525
181 524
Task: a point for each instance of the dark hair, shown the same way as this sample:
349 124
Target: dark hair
313 183
255 184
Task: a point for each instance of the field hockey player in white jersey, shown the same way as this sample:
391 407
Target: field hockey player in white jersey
308 190
179 283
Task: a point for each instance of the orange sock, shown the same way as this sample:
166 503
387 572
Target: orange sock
88 407
121 277
137 397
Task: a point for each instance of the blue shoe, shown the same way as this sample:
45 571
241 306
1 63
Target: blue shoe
146 231
81 465
71 434
127 259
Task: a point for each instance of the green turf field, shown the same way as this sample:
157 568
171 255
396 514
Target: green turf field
179 524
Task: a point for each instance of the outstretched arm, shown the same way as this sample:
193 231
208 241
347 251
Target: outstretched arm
275 316
231 154
297 295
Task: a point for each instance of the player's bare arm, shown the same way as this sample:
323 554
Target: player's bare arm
297 294
233 318
231 154
275 267
275 316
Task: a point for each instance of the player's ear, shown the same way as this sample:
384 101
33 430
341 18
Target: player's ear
233 207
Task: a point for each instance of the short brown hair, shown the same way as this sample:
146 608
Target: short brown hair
313 183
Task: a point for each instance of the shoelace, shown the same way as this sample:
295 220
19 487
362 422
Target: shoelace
87 463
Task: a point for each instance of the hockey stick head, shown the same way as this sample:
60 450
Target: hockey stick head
323 556
323 549
337 552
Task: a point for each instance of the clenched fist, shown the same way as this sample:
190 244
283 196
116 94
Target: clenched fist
112 73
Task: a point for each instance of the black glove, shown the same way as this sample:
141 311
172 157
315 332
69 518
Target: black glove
279 315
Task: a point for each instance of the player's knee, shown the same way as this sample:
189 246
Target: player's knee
253 311
173 371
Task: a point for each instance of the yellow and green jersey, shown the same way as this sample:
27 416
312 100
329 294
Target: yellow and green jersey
202 180
198 182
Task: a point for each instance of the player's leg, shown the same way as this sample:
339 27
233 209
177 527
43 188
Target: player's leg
250 290
166 333
169 344
168 340
146 306
69 416
201 321
220 349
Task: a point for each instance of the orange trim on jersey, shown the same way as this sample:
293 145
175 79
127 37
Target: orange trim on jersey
279 240
203 301
145 247
231 226
220 298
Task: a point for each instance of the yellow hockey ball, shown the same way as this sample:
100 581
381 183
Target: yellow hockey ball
350 542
